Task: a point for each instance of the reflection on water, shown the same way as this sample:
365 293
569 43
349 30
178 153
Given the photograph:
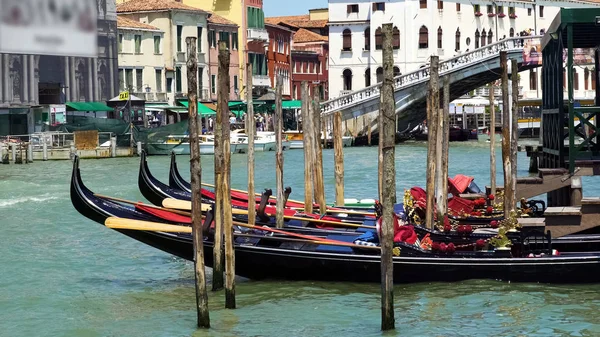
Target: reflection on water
63 275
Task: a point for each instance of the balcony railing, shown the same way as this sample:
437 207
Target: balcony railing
261 81
258 34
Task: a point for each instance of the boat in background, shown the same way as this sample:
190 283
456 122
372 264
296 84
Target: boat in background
261 144
179 144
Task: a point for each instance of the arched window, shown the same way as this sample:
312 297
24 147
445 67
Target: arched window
511 32
532 79
396 71
347 40
457 40
379 74
476 38
439 39
368 38
378 39
490 36
586 78
593 79
423 38
368 77
347 75
483 37
575 79
396 41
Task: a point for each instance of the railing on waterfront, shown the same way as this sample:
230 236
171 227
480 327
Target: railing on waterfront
455 63
53 140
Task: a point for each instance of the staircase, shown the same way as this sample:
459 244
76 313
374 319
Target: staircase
468 72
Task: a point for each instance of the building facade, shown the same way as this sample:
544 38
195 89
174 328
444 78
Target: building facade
30 84
279 57
177 21
221 29
427 27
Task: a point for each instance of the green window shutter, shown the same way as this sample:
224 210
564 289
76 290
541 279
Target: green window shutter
199 39
178 87
138 43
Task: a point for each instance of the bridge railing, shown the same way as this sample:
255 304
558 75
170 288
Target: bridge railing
420 75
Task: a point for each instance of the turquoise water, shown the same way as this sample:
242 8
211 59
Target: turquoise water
64 275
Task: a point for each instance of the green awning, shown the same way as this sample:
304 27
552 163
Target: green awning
295 104
202 109
87 106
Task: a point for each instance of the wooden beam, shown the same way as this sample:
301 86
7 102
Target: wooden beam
279 154
307 135
443 135
514 134
318 152
250 131
492 133
506 127
433 102
338 148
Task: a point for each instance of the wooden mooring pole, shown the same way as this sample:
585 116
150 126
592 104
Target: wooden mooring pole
506 127
307 134
492 133
222 112
433 103
196 178
279 149
338 155
225 186
514 133
441 152
318 152
387 139
251 127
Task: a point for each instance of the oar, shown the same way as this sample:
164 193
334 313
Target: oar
120 223
205 207
186 205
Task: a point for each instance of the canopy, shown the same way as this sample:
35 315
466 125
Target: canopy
87 106
295 104
202 109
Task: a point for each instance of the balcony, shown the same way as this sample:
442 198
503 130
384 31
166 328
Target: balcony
258 34
261 81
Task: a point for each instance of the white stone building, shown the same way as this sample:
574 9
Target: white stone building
427 27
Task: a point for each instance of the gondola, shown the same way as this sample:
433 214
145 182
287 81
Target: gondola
269 259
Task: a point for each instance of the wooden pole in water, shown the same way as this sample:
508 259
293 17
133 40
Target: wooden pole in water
442 154
225 194
387 139
307 135
433 103
338 155
506 163
318 153
279 149
492 133
514 135
251 127
222 112
196 178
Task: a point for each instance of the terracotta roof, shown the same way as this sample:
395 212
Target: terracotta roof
123 22
277 19
305 35
154 5
300 21
219 20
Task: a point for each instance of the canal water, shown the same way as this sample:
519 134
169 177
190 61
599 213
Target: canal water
64 275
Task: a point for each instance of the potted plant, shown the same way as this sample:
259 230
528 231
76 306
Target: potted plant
501 15
478 14
501 241
491 15
512 16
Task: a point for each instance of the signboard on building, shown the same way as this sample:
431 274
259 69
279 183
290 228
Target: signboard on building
532 54
58 114
49 27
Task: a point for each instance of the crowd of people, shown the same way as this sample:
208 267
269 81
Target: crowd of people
263 122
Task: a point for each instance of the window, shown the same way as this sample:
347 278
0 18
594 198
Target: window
212 39
483 37
500 10
423 38
347 39
158 79
575 79
468 42
200 80
511 32
178 83
379 74
586 78
120 43
511 11
169 84
396 38
457 40
137 39
128 79
423 4
347 75
378 6
439 37
368 38
234 41
157 44
224 36
179 37
235 84
532 79
458 7
213 84
476 9
593 79
476 38
440 4
528 11
139 80
378 39
490 36
352 9
121 79
199 33
396 71
368 77
490 9
541 11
